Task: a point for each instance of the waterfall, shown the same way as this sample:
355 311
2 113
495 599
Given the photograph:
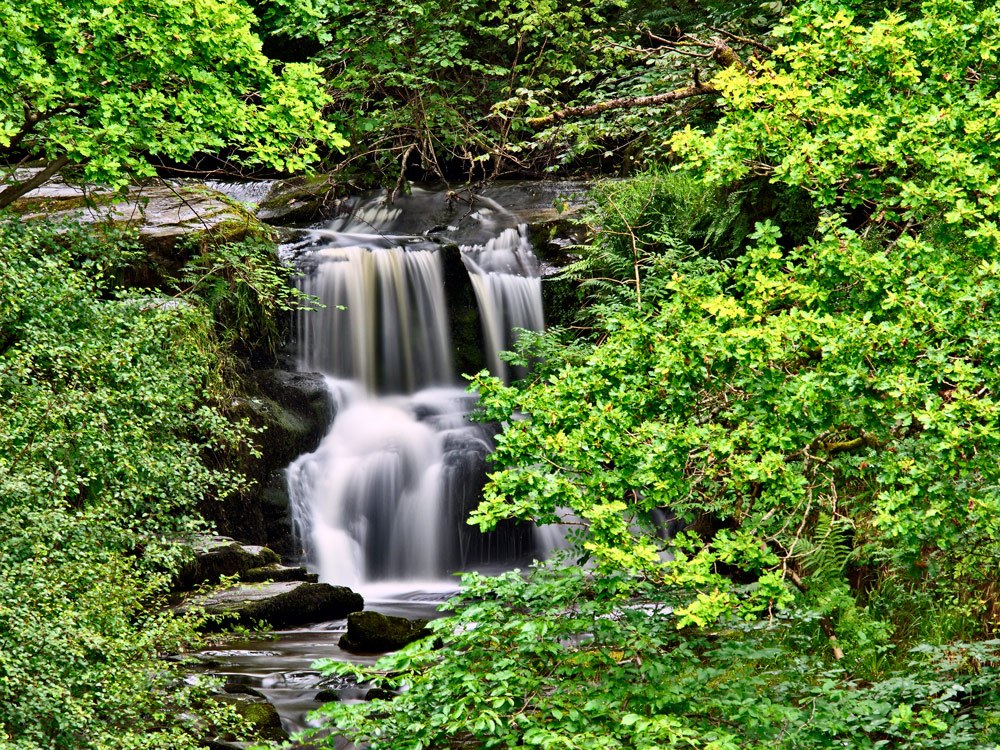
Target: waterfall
385 320
504 275
386 494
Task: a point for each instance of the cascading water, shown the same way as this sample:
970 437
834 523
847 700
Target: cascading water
385 321
504 274
386 494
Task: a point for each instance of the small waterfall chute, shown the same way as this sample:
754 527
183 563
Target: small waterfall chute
504 274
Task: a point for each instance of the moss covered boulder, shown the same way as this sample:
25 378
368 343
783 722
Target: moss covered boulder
218 556
277 604
373 633
262 718
298 200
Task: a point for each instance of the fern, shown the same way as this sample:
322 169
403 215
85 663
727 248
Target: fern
826 555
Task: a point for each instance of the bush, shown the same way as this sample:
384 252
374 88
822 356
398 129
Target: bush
103 430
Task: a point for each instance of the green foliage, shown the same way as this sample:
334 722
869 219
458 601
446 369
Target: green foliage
107 84
102 436
641 229
441 81
247 290
894 115
558 658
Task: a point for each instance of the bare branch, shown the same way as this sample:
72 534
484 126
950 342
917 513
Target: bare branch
743 40
623 103
721 53
20 189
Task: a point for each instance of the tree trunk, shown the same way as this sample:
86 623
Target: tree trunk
20 189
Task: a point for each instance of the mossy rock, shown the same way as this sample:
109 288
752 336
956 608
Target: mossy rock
277 604
300 199
294 411
174 221
278 573
263 718
373 632
219 556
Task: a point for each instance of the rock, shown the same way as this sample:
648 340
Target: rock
303 392
262 716
328 696
278 573
219 556
297 410
241 685
537 202
174 219
294 411
300 199
373 632
278 604
380 694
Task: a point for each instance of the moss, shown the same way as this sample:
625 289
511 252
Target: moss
282 604
374 632
304 198
31 206
261 715
278 573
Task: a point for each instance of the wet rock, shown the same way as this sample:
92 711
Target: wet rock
219 556
263 718
328 696
241 685
373 632
294 411
300 409
380 694
278 573
278 604
538 201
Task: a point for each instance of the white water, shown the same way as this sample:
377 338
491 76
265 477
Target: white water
385 320
504 274
386 494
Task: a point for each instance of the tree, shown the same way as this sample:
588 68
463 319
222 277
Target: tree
109 86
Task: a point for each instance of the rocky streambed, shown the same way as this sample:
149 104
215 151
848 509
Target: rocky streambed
294 621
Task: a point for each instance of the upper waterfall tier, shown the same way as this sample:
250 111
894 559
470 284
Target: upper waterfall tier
385 321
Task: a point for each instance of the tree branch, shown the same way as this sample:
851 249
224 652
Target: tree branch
849 446
824 622
719 51
699 89
18 190
31 119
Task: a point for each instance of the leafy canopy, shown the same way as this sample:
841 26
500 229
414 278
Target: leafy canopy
109 84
